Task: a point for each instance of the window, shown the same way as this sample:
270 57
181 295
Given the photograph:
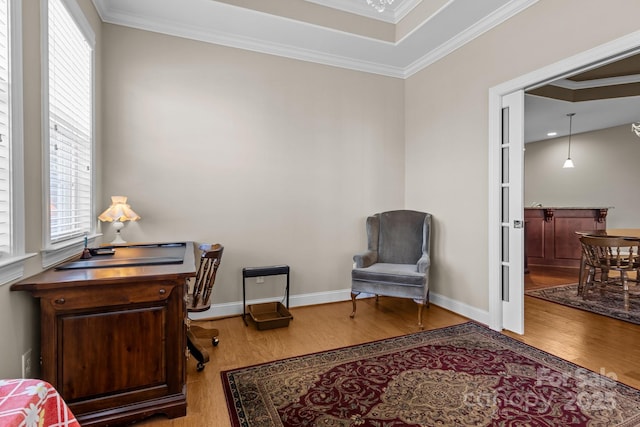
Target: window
11 149
70 128
5 133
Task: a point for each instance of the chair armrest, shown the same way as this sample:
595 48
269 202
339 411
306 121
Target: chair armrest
424 263
365 259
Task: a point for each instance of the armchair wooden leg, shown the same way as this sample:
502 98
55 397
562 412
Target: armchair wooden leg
353 301
420 310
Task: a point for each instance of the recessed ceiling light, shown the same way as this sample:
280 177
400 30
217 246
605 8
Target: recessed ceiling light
552 133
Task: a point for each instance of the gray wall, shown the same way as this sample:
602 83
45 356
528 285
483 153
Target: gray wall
606 173
282 160
277 159
447 130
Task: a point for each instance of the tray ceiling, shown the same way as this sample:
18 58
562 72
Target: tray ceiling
341 33
601 97
407 37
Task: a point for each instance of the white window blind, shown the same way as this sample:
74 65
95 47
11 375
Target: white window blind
70 126
5 135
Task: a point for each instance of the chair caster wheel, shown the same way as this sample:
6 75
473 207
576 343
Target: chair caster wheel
215 341
199 366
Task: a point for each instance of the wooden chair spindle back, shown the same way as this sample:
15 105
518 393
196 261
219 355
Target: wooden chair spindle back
205 277
614 253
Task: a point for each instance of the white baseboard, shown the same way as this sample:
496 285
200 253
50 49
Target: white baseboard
473 313
235 308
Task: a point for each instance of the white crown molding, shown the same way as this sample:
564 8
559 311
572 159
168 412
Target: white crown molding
101 8
403 9
346 50
249 43
496 18
588 84
598 56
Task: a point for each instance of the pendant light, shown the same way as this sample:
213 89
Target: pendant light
569 163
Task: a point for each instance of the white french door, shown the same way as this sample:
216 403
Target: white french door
506 159
512 212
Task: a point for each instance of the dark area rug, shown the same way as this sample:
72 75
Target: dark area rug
610 304
463 375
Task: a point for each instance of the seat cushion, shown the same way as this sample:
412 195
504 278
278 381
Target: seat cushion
393 274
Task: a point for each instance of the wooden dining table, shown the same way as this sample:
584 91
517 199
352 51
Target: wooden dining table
625 233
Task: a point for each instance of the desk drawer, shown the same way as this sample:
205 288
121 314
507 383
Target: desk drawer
96 296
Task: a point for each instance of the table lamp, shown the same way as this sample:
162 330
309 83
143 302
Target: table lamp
118 212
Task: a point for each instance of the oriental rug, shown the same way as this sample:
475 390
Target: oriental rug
462 375
609 304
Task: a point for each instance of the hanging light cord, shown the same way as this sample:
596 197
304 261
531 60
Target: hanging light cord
569 163
570 122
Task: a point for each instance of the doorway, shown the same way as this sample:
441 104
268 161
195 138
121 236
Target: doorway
506 310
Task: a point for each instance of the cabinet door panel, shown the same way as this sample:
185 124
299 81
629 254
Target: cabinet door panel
111 351
566 241
534 237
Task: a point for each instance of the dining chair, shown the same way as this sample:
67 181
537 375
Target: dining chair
604 255
199 299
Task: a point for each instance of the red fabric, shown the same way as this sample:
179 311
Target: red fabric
33 403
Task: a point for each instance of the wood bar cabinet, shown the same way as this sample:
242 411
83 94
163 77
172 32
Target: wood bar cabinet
113 331
550 233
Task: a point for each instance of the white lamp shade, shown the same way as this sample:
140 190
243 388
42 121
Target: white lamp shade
119 211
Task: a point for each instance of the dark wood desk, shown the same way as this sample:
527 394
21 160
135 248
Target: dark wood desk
113 334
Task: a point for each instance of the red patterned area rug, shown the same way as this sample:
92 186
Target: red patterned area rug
463 375
609 304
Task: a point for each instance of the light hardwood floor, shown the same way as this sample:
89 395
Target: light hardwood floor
543 277
592 341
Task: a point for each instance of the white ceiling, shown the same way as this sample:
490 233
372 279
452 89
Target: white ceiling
544 115
437 30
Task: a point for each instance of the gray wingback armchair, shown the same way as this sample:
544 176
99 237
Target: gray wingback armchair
397 260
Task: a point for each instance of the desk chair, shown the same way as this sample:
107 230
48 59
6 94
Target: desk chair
199 299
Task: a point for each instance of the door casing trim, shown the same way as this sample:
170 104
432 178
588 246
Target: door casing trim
617 49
